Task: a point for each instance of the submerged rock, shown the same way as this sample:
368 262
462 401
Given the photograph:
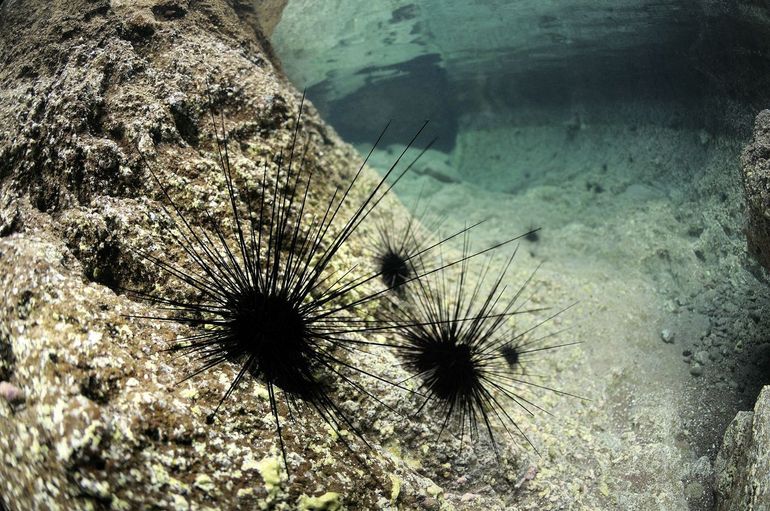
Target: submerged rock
755 165
103 423
743 464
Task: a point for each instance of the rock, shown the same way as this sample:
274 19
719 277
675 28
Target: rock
696 369
268 13
106 423
667 336
742 467
701 357
755 166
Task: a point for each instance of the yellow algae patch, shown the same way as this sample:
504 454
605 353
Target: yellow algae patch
395 489
329 501
270 470
205 483
190 393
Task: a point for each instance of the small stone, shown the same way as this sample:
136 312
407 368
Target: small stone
701 357
205 483
667 336
429 503
694 490
696 369
11 393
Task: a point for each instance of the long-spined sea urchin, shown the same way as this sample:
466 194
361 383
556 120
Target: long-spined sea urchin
264 295
467 358
397 245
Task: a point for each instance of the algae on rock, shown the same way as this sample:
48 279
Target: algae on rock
84 86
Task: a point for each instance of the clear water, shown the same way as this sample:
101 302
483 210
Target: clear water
617 130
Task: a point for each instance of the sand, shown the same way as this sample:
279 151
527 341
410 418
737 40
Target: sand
641 227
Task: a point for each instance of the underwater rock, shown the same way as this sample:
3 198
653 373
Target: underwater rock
743 465
269 13
105 422
755 165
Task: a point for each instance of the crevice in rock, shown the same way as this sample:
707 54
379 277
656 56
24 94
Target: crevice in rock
170 10
99 390
186 123
7 358
10 222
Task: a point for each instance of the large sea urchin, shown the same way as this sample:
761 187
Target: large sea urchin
264 295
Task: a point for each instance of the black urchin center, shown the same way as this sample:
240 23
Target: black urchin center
450 369
270 330
394 269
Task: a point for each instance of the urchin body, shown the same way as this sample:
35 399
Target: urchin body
270 332
395 268
450 370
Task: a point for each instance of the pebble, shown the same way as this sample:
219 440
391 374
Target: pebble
701 357
696 369
11 393
667 336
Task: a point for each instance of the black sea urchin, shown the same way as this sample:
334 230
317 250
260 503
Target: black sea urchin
469 361
266 298
398 247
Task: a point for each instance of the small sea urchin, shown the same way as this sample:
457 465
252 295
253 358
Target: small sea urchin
399 246
470 363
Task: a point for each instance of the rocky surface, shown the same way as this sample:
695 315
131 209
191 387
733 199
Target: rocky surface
755 166
742 469
92 414
268 14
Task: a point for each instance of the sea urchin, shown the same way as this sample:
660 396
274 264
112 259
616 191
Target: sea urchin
468 359
264 296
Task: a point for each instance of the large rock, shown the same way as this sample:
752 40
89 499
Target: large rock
743 464
755 165
91 412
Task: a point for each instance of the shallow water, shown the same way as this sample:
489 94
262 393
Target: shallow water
618 132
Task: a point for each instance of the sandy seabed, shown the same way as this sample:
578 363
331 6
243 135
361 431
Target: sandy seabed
642 227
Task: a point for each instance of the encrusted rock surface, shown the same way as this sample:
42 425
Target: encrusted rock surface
743 465
755 164
92 414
